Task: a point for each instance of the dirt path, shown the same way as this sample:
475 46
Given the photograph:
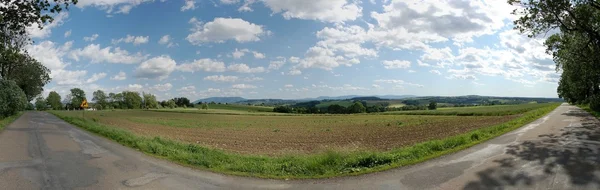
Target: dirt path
559 151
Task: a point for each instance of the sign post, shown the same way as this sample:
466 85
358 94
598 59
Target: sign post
83 106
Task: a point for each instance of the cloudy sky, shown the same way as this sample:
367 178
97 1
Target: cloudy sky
293 49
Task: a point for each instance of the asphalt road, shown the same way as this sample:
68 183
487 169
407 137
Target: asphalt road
559 151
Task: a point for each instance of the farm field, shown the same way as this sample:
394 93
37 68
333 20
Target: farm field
275 135
215 111
476 111
296 146
239 107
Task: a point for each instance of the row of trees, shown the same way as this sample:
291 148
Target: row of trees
356 107
21 76
575 44
123 100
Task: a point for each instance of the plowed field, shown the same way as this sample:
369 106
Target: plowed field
275 135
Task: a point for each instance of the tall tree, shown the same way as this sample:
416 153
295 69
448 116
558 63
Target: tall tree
150 101
100 98
40 104
77 96
132 100
12 98
53 100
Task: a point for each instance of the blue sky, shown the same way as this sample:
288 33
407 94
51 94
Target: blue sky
292 49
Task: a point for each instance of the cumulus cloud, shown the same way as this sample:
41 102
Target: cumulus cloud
188 5
119 76
207 65
243 86
166 40
91 38
112 6
156 68
221 78
35 32
95 77
222 29
243 68
67 33
435 72
95 54
162 87
135 40
288 86
396 64
326 11
397 82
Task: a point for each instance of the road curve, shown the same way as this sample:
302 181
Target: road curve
559 151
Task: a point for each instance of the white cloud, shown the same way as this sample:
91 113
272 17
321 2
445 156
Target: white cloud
95 77
221 29
67 33
397 82
239 53
243 86
274 65
187 89
294 72
243 68
166 40
288 86
326 11
35 32
67 77
347 87
435 72
396 64
207 65
94 53
134 87
119 76
91 38
135 40
258 55
162 87
323 58
252 79
50 54
121 6
221 78
156 68
229 2
294 59
189 5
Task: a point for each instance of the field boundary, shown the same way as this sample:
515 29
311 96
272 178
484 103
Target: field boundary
322 165
8 120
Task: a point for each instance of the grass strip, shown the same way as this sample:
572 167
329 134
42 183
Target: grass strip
8 120
328 164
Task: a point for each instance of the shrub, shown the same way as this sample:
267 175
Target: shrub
98 107
12 98
595 102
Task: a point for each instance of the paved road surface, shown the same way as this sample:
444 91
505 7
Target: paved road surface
559 151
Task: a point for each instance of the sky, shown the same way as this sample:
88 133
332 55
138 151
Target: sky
293 49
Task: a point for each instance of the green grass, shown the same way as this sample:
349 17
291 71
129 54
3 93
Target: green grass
321 165
589 110
478 110
215 111
239 107
8 120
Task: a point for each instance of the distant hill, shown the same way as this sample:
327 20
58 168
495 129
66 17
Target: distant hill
221 100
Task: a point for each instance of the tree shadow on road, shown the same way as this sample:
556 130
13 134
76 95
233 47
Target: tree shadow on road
574 156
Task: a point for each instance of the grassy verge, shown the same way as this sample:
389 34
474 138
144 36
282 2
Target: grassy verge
329 164
8 120
589 110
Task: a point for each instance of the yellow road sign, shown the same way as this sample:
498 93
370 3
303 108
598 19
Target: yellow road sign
84 104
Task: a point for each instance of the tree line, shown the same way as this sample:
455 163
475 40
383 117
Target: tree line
356 107
22 78
101 100
574 43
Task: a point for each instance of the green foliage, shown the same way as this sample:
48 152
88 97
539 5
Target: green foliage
12 98
53 100
171 104
357 107
100 98
595 103
575 48
205 106
132 100
98 107
77 96
150 101
7 120
432 105
40 104
321 165
30 106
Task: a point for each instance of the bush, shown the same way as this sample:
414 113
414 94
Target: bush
12 98
98 107
595 102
